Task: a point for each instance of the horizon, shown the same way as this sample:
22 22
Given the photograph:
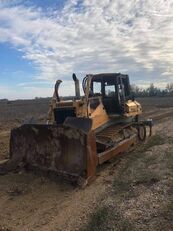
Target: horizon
41 41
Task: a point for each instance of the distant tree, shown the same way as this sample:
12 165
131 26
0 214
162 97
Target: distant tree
169 88
4 100
111 93
135 90
152 90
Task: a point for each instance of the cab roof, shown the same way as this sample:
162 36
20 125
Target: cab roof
108 76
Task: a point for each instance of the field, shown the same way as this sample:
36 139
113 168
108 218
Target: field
132 192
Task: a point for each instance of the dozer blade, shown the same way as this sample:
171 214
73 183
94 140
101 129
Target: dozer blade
63 150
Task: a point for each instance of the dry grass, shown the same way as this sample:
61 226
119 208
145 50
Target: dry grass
159 102
140 197
19 111
104 219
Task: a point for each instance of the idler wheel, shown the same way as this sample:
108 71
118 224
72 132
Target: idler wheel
142 132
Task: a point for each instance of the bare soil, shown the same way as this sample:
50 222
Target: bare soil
132 192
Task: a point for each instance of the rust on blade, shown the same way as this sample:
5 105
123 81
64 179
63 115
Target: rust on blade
92 159
49 148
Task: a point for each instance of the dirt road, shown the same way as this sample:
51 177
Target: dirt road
29 202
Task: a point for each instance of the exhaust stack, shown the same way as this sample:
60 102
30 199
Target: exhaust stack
77 88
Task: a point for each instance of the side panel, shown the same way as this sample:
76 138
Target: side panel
121 147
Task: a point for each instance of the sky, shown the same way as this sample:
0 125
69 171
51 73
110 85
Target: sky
45 40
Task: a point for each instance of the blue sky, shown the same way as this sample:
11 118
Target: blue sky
45 40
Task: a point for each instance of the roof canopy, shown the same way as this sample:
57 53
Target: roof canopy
107 76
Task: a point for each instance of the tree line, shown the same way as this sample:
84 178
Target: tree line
152 91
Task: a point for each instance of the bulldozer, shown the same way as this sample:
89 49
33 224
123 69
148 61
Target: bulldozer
81 133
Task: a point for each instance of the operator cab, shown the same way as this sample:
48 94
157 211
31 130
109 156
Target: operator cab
114 89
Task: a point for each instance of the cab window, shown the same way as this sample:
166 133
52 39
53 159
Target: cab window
109 90
97 88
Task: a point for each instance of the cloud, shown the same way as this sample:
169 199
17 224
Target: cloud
166 73
92 36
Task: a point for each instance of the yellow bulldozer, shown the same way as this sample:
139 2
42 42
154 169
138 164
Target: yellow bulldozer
83 132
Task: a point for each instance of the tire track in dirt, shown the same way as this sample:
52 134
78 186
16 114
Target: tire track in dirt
159 115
